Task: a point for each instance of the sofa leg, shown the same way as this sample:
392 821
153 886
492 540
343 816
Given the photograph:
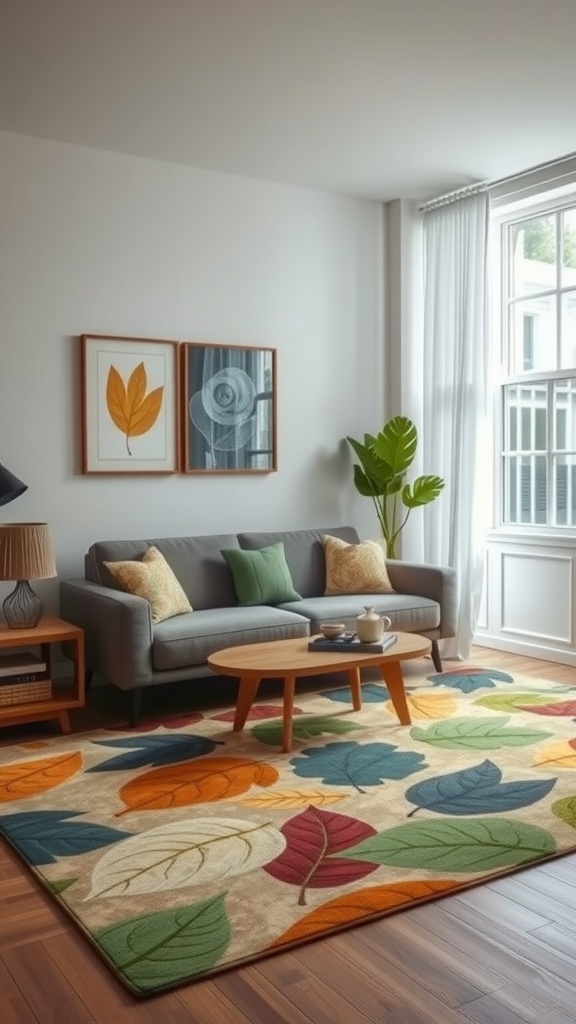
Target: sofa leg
135 706
88 677
436 656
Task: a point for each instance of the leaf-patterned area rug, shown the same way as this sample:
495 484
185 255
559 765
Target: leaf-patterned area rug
181 848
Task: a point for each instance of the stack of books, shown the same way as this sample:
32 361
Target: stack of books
23 679
350 643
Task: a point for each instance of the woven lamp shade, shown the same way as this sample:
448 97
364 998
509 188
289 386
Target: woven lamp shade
26 552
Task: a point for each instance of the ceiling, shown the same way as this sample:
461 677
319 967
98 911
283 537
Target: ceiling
374 98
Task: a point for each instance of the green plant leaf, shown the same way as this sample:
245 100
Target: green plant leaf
424 490
379 474
396 444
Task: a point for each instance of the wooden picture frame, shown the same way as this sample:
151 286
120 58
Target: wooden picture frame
228 409
130 410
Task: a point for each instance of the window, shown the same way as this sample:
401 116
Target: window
538 393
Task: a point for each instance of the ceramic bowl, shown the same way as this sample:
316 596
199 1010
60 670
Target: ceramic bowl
332 629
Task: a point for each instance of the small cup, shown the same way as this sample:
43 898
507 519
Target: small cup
332 629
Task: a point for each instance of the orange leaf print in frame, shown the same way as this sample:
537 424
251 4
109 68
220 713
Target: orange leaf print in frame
131 409
202 780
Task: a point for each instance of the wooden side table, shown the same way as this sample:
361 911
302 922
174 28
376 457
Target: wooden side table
49 631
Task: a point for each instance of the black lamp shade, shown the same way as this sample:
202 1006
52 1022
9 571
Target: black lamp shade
10 486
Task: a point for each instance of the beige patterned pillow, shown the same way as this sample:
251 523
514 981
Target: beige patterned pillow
153 579
355 568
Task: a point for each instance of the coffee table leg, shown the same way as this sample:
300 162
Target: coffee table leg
355 688
289 690
392 676
246 693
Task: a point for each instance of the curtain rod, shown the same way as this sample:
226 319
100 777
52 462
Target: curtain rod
483 186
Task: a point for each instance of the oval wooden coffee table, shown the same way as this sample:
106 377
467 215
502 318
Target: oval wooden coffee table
290 660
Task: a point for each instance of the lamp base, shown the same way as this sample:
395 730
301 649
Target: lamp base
22 608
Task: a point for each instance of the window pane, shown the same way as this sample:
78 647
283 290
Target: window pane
569 249
568 346
525 489
565 490
533 334
533 256
565 415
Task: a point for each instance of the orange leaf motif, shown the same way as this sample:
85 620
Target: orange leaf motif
28 778
132 410
195 782
354 906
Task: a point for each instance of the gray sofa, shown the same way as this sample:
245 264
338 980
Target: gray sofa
127 649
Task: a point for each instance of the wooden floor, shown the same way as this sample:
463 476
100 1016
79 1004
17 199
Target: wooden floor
500 953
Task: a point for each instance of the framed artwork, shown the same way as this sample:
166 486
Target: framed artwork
130 412
228 408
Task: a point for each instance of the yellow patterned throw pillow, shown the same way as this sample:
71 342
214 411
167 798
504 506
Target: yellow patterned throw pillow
355 568
153 579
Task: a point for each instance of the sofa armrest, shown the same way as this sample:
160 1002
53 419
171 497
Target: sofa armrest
436 582
117 630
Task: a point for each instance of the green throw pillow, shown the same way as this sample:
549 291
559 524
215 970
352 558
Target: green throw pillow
262 576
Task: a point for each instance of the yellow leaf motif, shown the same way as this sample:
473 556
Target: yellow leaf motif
132 410
430 705
293 798
553 756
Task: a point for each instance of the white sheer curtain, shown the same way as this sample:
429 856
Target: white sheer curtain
454 427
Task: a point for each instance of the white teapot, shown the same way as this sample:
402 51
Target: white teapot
370 625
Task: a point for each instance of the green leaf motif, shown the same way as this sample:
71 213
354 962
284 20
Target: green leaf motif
305 727
57 887
477 734
565 810
511 703
154 951
468 845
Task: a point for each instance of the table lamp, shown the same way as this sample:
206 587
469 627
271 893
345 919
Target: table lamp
10 486
25 554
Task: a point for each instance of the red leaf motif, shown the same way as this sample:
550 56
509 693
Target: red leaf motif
564 708
258 712
175 722
312 838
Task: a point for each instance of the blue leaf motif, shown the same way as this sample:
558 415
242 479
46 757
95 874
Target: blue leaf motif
468 680
153 751
372 693
43 836
476 790
356 764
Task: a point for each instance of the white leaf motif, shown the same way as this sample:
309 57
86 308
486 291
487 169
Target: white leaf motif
184 853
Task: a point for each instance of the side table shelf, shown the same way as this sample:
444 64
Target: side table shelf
67 695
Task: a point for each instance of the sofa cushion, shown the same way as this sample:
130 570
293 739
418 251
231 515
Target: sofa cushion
409 613
261 577
196 561
304 550
153 579
186 641
355 568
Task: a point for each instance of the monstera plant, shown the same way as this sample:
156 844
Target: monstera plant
384 461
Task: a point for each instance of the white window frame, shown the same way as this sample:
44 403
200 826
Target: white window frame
501 218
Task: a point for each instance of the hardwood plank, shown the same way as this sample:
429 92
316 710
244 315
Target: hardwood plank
50 996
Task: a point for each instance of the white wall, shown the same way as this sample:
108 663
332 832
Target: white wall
101 243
